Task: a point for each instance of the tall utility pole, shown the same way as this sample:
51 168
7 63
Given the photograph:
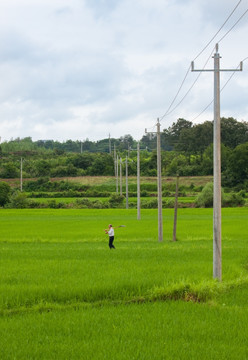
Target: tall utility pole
109 144
175 210
126 162
21 176
126 182
115 159
159 184
120 176
217 253
117 165
128 150
160 220
138 181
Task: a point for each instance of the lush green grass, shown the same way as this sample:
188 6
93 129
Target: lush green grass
65 295
174 330
87 225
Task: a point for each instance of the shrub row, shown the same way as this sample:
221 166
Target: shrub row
95 193
68 194
45 185
205 198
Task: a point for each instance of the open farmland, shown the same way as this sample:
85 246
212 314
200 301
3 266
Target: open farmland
101 193
65 295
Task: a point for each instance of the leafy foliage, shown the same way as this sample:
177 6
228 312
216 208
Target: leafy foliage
18 201
189 152
4 193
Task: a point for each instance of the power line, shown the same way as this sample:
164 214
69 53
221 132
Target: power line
218 31
188 70
191 87
230 77
233 26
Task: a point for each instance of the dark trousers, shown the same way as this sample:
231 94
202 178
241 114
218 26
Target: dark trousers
111 240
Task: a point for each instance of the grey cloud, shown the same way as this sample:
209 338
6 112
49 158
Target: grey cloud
102 8
115 60
63 11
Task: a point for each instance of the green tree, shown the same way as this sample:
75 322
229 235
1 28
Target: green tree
238 164
18 201
172 134
205 198
196 139
81 161
149 142
102 165
207 159
126 141
42 168
9 171
177 165
233 132
4 193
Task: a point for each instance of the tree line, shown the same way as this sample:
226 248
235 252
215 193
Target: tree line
187 150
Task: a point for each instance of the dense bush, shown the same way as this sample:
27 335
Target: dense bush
116 200
87 204
166 193
205 198
44 184
18 201
132 194
168 203
9 171
234 200
4 193
144 193
151 204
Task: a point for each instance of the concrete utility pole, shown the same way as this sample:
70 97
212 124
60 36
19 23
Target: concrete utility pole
126 162
120 176
109 145
138 181
160 220
217 253
117 165
175 211
21 176
126 182
115 159
128 150
159 184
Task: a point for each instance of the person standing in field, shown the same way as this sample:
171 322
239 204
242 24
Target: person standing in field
111 233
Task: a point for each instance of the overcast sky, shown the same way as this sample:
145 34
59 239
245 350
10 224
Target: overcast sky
77 69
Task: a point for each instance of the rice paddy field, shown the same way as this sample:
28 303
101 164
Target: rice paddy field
65 295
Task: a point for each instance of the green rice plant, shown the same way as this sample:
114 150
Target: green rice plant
64 294
160 330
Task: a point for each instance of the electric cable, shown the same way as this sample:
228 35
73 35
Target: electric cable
188 70
233 26
218 30
193 84
230 77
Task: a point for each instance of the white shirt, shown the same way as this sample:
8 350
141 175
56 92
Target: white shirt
111 232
